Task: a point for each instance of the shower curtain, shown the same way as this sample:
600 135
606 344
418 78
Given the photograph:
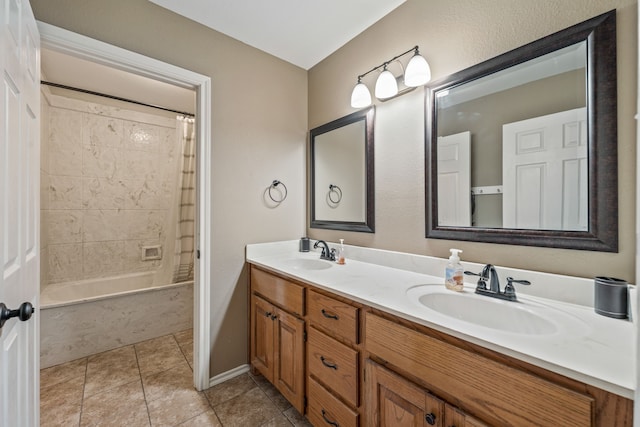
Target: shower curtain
185 227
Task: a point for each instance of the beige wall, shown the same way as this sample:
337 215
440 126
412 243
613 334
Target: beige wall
453 35
258 135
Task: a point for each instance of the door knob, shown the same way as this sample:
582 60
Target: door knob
23 313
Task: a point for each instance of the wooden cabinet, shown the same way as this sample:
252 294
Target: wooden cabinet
333 361
502 394
327 410
393 401
262 333
277 340
365 367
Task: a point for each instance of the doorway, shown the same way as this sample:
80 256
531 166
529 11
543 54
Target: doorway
63 41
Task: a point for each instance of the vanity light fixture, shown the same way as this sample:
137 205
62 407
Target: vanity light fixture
416 74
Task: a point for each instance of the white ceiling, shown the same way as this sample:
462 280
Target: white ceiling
302 32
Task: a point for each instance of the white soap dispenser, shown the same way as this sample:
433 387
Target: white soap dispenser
454 273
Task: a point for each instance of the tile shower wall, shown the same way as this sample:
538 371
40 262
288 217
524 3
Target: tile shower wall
110 181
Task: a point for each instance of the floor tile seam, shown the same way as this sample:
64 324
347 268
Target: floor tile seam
144 393
106 351
147 375
231 397
84 386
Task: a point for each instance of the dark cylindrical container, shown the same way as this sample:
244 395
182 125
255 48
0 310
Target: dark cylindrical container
304 244
611 297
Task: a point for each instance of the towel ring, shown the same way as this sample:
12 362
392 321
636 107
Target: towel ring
273 185
335 189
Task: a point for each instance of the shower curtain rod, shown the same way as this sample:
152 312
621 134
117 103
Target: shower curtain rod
117 98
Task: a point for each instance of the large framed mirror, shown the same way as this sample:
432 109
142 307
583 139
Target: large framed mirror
342 180
522 148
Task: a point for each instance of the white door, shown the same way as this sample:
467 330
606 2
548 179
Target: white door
545 183
454 180
19 212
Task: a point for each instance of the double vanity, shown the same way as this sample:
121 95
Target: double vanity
380 341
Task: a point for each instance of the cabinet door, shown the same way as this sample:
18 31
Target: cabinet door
456 418
262 336
392 401
289 356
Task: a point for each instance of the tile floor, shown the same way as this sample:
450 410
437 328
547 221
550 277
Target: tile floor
150 384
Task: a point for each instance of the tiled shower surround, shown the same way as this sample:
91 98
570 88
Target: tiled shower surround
109 183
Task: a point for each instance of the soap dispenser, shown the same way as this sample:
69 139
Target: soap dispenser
454 273
341 254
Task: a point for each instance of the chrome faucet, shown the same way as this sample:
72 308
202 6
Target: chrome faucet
328 254
489 273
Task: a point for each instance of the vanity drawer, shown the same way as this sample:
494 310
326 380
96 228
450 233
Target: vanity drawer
279 291
515 397
338 317
326 410
334 363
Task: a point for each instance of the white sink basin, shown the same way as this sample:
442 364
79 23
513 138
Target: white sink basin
307 264
522 317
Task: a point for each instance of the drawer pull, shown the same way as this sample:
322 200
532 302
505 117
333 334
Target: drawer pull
329 315
328 364
430 418
328 421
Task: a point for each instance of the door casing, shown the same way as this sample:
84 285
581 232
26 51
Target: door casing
60 40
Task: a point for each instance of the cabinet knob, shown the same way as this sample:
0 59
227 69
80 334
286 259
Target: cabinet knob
430 418
267 314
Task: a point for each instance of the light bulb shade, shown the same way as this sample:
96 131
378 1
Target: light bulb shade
386 85
418 72
360 97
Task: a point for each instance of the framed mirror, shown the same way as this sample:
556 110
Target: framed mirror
342 180
522 148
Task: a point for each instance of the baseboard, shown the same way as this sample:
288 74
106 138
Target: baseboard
220 378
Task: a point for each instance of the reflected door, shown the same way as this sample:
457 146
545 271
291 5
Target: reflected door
454 180
545 175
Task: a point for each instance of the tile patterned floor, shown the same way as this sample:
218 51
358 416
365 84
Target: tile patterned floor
150 384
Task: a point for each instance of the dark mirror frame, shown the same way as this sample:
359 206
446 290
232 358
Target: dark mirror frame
600 35
368 226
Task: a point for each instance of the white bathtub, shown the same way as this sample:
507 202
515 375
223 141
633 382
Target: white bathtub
85 317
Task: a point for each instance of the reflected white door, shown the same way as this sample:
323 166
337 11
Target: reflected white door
454 180
19 212
544 164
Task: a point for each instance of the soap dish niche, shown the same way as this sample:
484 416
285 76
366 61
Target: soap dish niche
150 253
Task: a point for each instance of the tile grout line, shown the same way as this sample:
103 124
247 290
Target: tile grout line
144 393
84 384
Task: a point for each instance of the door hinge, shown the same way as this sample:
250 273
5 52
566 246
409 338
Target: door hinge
304 336
305 401
198 253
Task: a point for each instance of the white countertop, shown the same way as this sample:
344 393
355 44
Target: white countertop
602 354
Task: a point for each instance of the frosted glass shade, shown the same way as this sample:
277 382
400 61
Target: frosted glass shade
360 97
386 85
418 72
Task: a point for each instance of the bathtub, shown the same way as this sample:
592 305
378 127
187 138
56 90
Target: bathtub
85 317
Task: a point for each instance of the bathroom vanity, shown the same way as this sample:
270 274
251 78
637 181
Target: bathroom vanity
355 345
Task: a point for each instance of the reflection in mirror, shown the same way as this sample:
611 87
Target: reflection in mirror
517 145
342 173
510 156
